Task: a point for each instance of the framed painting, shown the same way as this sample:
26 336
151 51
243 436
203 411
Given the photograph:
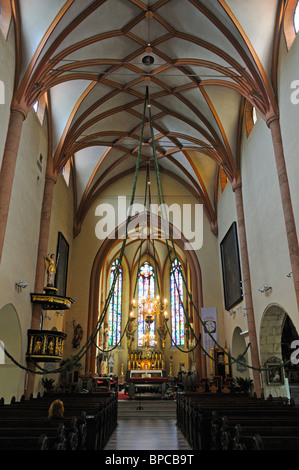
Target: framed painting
275 374
231 269
62 258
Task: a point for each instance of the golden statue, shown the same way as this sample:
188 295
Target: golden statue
51 270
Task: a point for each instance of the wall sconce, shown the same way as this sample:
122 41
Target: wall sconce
265 288
290 274
244 332
21 285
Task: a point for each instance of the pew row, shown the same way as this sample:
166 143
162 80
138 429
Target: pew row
88 422
222 422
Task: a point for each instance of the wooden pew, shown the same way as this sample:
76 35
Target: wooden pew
95 417
199 417
266 439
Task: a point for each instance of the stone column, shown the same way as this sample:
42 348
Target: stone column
17 117
45 220
46 210
200 359
237 188
274 126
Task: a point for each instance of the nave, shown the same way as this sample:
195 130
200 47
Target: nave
147 425
191 423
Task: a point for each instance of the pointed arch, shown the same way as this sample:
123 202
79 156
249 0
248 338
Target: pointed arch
146 288
176 303
290 25
115 308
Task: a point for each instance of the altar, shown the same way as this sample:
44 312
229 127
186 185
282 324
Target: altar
145 383
146 361
146 374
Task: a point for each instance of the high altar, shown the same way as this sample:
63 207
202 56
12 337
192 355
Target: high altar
143 361
146 373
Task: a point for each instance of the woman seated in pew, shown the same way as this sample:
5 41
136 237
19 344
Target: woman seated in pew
56 410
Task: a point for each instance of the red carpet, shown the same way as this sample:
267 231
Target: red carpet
123 396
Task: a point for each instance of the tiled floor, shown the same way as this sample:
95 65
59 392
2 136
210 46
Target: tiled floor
147 434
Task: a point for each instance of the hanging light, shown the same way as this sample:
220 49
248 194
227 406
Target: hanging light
149 308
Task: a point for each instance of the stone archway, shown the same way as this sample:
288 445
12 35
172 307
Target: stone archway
271 351
10 337
238 347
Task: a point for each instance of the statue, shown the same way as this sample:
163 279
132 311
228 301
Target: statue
111 363
51 270
78 334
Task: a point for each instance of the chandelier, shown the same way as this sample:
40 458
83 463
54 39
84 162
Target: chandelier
149 308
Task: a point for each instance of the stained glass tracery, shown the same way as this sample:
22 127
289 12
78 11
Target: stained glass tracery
176 303
114 321
146 288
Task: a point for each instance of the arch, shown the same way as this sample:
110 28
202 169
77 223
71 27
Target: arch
271 352
99 265
115 310
238 348
288 24
146 288
10 336
176 300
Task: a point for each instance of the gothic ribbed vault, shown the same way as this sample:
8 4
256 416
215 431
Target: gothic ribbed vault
85 58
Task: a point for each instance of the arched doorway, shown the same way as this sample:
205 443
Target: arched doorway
277 333
10 338
239 345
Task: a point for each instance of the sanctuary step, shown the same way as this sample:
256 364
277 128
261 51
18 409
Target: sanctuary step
150 409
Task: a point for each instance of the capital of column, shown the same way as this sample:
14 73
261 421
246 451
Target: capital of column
214 228
51 174
19 109
236 184
51 177
271 119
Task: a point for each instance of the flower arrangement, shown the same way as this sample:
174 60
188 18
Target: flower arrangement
169 394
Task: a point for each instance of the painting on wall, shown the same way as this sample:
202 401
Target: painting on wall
62 258
231 270
275 374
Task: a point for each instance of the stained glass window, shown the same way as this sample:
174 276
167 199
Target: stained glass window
146 288
254 115
114 321
176 303
296 18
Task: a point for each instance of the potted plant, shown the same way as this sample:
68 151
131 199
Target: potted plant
243 385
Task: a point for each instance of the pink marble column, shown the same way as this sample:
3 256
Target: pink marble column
247 291
42 251
17 117
274 126
46 211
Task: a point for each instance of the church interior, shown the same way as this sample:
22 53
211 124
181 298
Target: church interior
149 209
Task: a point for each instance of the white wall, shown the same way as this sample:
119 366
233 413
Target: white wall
265 225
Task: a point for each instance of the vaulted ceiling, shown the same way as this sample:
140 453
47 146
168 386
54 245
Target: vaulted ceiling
88 58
